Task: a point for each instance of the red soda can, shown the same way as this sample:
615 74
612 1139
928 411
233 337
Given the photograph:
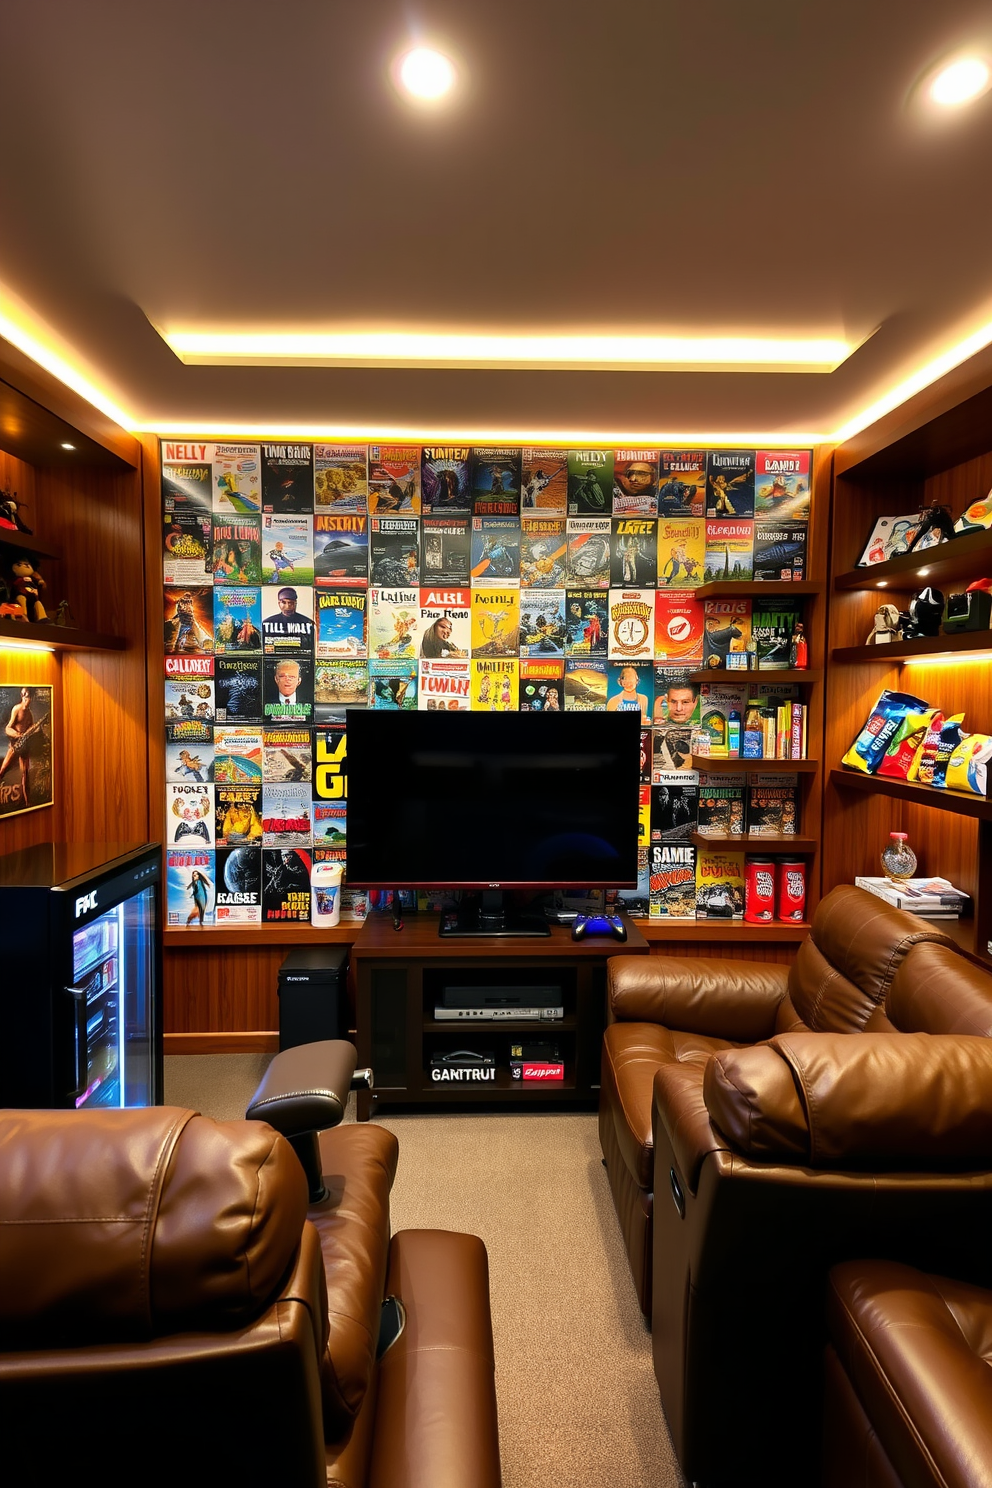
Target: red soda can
791 889
759 890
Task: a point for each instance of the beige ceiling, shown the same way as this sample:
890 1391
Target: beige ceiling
683 166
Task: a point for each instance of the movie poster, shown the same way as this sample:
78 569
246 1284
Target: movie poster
238 899
445 479
496 481
26 777
394 479
189 876
238 621
340 478
287 478
285 884
340 549
189 620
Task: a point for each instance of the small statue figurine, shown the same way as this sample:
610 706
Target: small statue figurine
27 587
886 626
9 509
931 517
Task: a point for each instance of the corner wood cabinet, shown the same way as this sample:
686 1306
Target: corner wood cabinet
399 977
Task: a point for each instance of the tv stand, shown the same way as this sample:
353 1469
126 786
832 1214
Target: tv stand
488 915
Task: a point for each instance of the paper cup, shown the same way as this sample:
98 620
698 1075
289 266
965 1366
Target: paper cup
325 895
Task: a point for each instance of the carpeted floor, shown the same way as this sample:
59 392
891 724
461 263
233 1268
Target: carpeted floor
577 1395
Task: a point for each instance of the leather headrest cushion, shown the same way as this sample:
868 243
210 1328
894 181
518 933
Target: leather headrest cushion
937 990
752 1098
865 939
131 1224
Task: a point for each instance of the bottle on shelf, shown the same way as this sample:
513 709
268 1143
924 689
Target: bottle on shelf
898 858
734 734
798 649
753 737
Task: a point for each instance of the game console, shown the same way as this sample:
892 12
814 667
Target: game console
598 924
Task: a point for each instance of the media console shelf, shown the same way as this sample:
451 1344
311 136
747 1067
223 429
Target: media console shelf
399 975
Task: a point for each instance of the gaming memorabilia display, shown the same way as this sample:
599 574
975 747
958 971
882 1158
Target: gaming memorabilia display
303 579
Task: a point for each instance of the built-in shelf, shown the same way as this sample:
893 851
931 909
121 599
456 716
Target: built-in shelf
962 803
504 1088
718 764
936 646
655 931
762 675
752 843
216 937
963 557
59 637
748 588
26 542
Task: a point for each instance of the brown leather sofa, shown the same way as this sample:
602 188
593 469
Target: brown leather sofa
676 1012
172 1313
908 1401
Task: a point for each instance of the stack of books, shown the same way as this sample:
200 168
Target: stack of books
931 898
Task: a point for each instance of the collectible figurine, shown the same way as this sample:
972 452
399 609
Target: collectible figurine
924 614
9 508
886 626
931 517
63 615
28 585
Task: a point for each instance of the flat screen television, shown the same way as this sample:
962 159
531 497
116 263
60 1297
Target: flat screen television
493 801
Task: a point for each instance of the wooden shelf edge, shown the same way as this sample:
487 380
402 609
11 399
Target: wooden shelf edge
963 803
956 558
712 764
937 646
749 842
732 588
248 1041
26 542
60 637
213 937
656 931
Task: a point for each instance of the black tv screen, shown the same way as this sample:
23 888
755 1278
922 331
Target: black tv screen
493 800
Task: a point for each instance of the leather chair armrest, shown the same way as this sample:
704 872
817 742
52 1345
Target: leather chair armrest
305 1088
735 1000
679 1108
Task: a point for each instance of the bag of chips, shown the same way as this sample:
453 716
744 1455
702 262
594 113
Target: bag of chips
866 753
967 768
950 738
928 751
907 741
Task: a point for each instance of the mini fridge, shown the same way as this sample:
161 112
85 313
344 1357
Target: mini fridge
81 959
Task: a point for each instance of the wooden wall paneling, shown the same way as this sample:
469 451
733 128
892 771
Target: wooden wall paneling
768 951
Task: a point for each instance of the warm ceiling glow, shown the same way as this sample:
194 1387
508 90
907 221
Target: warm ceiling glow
426 74
64 445
945 660
402 349
23 329
959 83
479 434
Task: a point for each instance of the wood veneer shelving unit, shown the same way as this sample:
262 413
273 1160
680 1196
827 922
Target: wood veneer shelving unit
59 637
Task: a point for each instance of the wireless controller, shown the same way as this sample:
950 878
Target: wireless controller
598 924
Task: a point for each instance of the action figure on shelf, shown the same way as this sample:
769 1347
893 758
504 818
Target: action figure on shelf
28 585
933 518
9 509
63 615
886 626
924 614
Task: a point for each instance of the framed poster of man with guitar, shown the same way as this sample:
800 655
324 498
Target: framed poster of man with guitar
26 782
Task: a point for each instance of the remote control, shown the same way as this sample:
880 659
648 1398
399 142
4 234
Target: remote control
598 924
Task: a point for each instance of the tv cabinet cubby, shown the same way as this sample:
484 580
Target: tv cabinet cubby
399 976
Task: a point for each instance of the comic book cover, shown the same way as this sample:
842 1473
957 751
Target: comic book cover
238 755
188 668
542 622
237 479
238 689
286 756
726 629
238 815
236 550
729 550
671 750
674 805
190 874
341 623
782 486
286 815
189 812
496 481
238 621
239 886
721 806
495 550
189 731
587 622
446 479
717 701
394 623
393 685
631 634
630 688
542 686
678 627
772 624
340 549
682 483
495 685
187 478
340 478
635 483
287 478
287 689
285 884
495 622
590 482
676 696
643 817
190 700
186 548
444 686
446 556
330 831
588 555
544 481
287 620
394 480
673 881
445 623
780 552
394 551
585 684
188 761
635 902
633 552
543 552
730 483
773 805
287 549
719 884
330 764
681 552
189 620
339 685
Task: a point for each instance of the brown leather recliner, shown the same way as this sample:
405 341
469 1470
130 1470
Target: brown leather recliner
168 1313
676 1012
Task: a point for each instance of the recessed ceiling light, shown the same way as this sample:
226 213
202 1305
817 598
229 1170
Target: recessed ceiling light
67 446
960 82
426 74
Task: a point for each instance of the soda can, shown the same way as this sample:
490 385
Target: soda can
791 889
759 890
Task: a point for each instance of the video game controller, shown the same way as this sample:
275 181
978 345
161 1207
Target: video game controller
598 924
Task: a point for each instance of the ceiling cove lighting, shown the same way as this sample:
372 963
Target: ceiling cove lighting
975 656
12 645
425 75
516 434
23 329
402 349
960 82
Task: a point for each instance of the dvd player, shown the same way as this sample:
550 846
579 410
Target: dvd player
497 1014
500 997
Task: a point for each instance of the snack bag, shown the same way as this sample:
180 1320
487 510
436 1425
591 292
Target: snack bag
906 744
927 757
967 768
866 753
950 738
